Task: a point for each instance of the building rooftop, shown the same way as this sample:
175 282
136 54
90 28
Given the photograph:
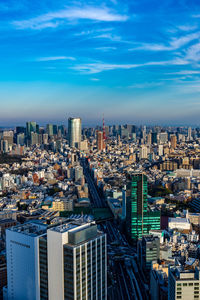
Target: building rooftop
31 229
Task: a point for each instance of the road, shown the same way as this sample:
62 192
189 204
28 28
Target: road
127 281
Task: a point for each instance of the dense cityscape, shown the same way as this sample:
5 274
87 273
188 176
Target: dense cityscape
110 212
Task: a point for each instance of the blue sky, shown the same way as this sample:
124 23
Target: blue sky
133 61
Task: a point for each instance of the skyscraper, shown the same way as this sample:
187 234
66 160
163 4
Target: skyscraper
30 127
74 132
173 140
100 141
49 129
139 219
63 262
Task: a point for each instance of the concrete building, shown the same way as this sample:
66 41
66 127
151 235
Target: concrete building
179 223
148 251
22 248
183 283
63 262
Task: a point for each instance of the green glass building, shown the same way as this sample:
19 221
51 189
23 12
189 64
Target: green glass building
139 218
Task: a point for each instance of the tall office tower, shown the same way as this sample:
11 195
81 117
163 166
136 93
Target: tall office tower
4 146
163 137
154 137
148 251
49 129
8 136
189 137
183 283
100 141
30 127
45 138
22 248
55 129
66 262
74 132
143 152
61 130
149 138
173 140
144 133
139 218
34 138
20 139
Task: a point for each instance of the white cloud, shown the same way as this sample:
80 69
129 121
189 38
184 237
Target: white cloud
54 58
106 49
76 13
174 43
93 68
187 72
193 53
95 79
187 27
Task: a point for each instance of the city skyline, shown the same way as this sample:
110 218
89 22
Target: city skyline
131 61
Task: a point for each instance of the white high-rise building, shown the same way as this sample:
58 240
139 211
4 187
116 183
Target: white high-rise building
74 132
22 248
143 152
65 262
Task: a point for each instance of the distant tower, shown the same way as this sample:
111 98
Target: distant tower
173 140
189 134
100 141
104 135
74 132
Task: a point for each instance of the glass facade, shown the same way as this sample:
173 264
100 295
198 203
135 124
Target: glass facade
138 217
74 132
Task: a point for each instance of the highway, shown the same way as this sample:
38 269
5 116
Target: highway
121 256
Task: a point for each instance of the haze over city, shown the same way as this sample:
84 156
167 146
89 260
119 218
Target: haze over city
134 61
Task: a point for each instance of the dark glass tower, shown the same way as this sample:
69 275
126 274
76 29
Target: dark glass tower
139 219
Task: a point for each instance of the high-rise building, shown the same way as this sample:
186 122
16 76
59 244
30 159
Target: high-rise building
34 138
74 132
148 251
23 268
143 152
154 139
20 139
163 137
173 140
189 137
45 138
30 127
183 284
100 141
64 262
139 218
49 129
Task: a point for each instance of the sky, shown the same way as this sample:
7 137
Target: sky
133 61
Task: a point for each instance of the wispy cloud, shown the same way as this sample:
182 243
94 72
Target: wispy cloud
88 13
193 53
106 49
187 27
54 58
95 79
174 44
93 68
186 72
